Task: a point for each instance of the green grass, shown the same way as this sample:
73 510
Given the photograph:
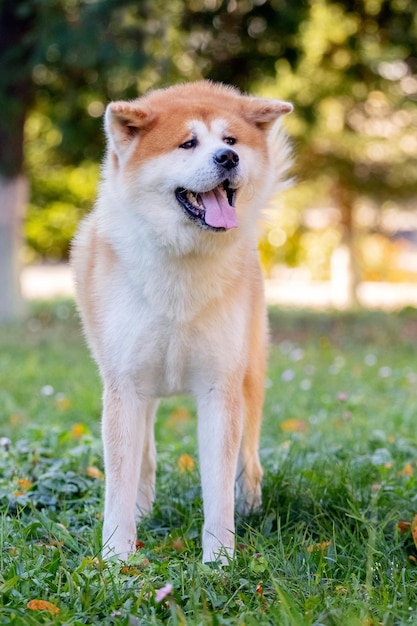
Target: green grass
339 449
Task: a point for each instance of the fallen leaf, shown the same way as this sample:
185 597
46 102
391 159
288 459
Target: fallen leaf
43 605
182 414
24 484
178 545
294 426
62 402
186 463
94 472
139 544
259 589
403 526
130 570
15 419
78 430
407 470
320 547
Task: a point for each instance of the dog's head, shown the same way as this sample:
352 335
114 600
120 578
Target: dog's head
194 154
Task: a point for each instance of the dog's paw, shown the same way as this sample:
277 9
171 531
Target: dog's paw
219 556
119 543
247 503
218 546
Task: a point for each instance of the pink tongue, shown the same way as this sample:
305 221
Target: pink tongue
219 213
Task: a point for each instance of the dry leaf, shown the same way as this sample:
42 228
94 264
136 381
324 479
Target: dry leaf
407 470
24 484
186 463
294 426
94 472
15 419
178 545
43 605
182 414
403 526
130 570
62 402
321 547
78 430
259 589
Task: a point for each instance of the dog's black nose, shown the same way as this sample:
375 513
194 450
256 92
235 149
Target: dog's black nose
226 158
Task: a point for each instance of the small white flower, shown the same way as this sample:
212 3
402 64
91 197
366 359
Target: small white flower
385 372
5 443
287 375
370 359
297 354
47 390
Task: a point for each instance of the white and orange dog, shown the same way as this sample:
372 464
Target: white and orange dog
170 293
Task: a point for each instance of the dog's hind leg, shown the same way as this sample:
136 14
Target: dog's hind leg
146 487
249 472
124 424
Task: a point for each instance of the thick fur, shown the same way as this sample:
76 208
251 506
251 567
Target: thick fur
171 306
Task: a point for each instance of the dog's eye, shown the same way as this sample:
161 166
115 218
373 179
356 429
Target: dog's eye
187 145
230 141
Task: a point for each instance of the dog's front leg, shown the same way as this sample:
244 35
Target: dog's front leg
220 416
123 430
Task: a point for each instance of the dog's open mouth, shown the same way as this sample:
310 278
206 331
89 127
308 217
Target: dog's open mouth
212 210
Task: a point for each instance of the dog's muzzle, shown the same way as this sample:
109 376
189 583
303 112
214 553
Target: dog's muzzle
214 209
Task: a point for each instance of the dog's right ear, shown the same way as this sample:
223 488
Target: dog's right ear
123 123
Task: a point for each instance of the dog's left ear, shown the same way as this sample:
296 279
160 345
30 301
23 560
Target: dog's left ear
263 112
123 123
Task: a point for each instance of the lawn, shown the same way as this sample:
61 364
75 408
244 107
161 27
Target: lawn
333 544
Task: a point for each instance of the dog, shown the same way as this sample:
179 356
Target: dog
169 290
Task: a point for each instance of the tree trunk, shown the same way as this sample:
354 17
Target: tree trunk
16 94
345 273
13 200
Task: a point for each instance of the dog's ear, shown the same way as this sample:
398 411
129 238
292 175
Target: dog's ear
123 123
263 112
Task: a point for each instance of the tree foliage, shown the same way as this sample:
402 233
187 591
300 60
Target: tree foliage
355 88
350 68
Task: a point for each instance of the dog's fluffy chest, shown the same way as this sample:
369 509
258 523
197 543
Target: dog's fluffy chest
179 322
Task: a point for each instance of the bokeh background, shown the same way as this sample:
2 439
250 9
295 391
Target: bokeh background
350 68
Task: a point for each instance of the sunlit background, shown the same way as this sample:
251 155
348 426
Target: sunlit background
345 233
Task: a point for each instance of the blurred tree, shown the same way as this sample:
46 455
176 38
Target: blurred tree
71 55
355 89
239 41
